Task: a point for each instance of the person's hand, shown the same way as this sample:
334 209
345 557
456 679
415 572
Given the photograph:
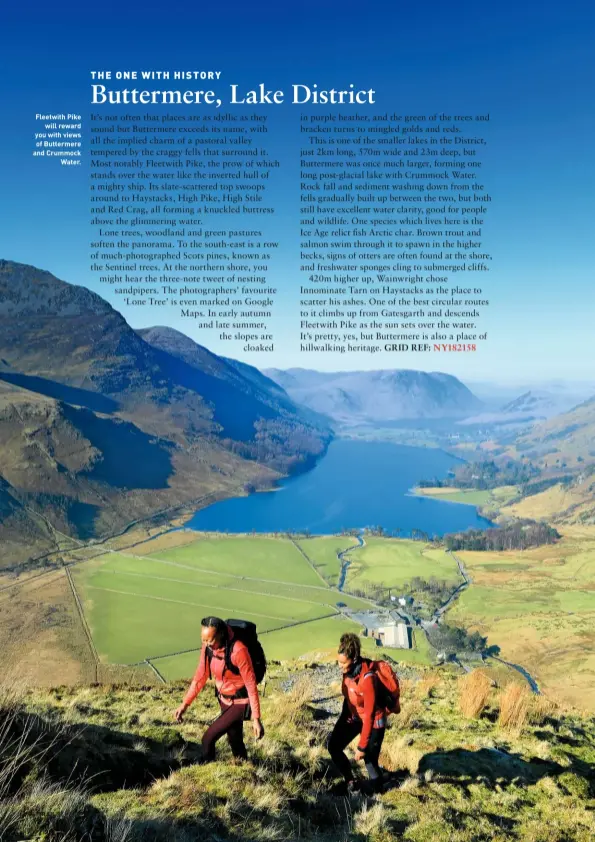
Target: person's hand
359 755
179 714
258 729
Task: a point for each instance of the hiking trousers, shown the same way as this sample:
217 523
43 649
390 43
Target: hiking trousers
346 729
230 722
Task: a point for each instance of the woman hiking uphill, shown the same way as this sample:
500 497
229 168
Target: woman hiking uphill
228 661
363 713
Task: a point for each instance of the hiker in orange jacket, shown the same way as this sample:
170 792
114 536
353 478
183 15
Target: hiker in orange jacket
237 694
363 713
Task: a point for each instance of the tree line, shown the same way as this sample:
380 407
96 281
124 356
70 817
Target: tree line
519 535
482 476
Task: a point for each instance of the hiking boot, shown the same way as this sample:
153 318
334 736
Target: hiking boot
353 788
345 789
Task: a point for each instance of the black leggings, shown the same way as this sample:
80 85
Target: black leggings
345 730
230 722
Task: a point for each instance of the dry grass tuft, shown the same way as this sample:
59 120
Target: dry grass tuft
295 702
474 692
543 709
426 687
407 688
412 713
514 702
399 752
370 820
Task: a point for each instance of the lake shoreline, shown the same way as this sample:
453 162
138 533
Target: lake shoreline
356 485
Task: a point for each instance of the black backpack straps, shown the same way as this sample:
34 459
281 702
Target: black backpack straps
229 665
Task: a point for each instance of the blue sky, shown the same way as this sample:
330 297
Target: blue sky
529 65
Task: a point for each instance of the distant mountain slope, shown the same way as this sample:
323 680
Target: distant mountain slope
252 373
532 405
62 334
84 474
229 373
542 404
67 343
100 425
566 440
356 396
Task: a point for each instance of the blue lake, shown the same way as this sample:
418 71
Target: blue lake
357 484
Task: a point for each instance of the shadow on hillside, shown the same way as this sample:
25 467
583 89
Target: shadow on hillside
98 757
463 767
190 830
235 411
60 392
130 458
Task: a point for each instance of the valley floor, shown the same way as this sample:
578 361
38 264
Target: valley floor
134 606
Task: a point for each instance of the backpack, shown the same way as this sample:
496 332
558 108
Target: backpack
245 631
390 683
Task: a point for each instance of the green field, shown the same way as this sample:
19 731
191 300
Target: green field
470 498
267 558
390 562
323 553
144 606
488 499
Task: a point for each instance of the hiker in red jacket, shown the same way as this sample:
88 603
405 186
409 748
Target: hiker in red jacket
363 713
237 693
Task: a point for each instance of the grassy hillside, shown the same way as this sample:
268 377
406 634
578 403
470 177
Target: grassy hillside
571 502
538 605
467 762
564 441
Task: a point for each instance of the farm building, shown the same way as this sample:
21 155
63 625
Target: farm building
385 629
398 635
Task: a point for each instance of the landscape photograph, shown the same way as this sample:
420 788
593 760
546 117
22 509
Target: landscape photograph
146 482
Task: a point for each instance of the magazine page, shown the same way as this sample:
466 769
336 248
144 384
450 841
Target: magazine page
297 409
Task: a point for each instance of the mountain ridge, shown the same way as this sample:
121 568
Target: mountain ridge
350 397
158 418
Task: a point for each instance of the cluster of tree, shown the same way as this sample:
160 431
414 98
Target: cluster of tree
353 532
529 489
485 475
432 586
30 564
519 535
427 595
295 533
287 446
431 594
380 532
454 640
258 484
